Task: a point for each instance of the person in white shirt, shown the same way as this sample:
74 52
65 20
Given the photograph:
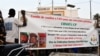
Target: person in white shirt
12 24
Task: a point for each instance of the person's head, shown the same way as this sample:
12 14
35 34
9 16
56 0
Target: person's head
33 38
0 14
1 18
23 37
0 11
42 37
12 12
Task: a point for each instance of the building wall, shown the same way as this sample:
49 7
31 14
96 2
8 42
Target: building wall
72 13
58 10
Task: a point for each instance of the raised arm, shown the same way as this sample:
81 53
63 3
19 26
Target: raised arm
24 18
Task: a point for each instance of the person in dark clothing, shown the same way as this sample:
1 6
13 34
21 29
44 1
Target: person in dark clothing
2 33
2 30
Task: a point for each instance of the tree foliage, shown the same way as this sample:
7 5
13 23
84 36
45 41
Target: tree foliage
97 18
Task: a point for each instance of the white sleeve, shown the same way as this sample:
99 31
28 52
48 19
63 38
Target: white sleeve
18 22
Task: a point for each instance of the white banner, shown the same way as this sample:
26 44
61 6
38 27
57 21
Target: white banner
48 32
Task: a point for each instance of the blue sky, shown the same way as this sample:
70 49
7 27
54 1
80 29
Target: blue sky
31 5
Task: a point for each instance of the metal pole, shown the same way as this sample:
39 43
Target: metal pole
52 7
90 10
39 1
39 4
65 2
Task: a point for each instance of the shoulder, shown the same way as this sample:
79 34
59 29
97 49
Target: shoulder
10 19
